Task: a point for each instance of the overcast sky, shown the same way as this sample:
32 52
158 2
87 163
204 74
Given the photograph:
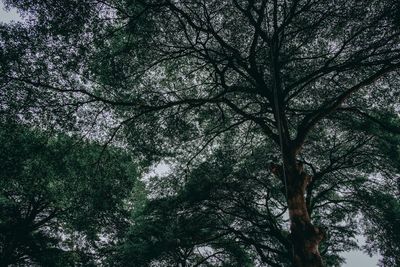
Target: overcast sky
7 16
353 258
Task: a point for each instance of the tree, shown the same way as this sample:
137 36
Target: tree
382 216
58 203
380 200
231 198
285 76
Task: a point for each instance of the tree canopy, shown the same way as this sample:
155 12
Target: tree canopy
59 205
279 119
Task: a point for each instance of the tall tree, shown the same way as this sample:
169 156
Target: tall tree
229 199
181 75
58 204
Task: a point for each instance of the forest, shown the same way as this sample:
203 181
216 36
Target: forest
209 133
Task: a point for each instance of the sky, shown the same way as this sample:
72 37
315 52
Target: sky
353 258
358 258
8 16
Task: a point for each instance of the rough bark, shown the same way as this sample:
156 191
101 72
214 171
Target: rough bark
304 235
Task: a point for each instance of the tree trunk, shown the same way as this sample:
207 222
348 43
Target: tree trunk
304 235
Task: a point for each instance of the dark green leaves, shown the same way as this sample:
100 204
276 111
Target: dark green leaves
56 188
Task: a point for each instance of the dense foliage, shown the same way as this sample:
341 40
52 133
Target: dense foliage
60 202
279 121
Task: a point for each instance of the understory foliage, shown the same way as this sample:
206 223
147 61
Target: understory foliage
381 201
251 104
60 204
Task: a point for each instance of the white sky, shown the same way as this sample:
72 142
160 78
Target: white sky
353 258
358 258
8 16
